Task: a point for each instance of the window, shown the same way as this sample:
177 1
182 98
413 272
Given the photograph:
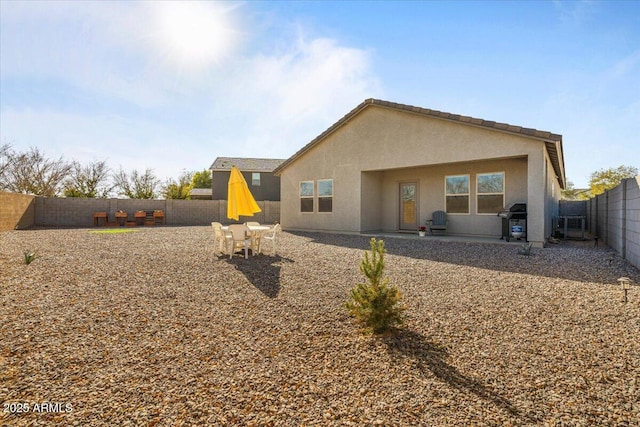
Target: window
457 194
255 179
490 189
325 195
306 196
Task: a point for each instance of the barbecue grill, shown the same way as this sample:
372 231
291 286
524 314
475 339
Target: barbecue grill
514 219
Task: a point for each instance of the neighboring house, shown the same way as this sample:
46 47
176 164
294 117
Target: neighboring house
257 172
387 167
200 193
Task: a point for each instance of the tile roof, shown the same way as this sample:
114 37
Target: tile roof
553 141
246 164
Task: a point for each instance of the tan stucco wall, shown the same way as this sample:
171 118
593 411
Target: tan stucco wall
378 140
372 205
552 197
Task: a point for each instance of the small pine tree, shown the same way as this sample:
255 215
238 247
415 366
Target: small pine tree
375 305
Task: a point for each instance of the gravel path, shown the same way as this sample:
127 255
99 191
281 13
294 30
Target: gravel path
149 328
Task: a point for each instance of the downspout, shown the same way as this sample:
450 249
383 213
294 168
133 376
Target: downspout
623 250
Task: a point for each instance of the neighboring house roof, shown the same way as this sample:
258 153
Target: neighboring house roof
201 192
245 164
553 141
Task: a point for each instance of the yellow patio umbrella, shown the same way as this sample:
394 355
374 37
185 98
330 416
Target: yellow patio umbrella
240 201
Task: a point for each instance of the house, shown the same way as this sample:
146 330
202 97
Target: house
387 167
200 193
258 173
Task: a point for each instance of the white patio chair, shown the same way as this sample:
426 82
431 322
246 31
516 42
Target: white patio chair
219 238
255 236
270 236
239 238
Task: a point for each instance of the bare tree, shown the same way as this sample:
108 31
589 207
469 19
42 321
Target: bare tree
88 181
32 173
6 159
136 185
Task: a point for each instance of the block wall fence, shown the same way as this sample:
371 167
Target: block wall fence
21 211
16 211
614 217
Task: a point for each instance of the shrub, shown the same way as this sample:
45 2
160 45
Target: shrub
525 249
375 305
30 256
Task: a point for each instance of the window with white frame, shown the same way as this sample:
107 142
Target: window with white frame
325 195
490 192
457 194
306 196
255 179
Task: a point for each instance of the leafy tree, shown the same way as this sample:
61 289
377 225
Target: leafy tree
32 173
136 185
572 193
180 189
201 179
376 305
88 181
605 179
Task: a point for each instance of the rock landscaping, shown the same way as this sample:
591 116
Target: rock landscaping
152 329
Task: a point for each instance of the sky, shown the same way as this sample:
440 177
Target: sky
170 86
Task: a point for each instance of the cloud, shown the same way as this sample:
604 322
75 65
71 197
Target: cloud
293 95
144 112
626 65
142 53
575 12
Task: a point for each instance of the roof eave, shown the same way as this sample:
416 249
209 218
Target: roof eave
544 136
337 125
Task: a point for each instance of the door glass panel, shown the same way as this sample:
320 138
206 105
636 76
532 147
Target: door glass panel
408 207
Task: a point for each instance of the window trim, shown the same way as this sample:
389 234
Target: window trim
324 197
468 194
478 193
312 197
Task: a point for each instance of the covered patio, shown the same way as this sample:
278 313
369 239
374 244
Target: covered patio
445 238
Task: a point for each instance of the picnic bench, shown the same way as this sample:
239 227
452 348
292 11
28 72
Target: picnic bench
121 218
97 216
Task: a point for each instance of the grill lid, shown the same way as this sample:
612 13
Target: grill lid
509 210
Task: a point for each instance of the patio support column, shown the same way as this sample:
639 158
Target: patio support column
371 201
536 189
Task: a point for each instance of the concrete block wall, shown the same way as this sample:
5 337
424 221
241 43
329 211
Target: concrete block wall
192 212
602 206
614 217
632 229
68 212
16 211
573 207
78 212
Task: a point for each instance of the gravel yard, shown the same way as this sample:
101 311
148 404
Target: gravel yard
149 328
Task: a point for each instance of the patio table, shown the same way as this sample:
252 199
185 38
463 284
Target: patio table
256 233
